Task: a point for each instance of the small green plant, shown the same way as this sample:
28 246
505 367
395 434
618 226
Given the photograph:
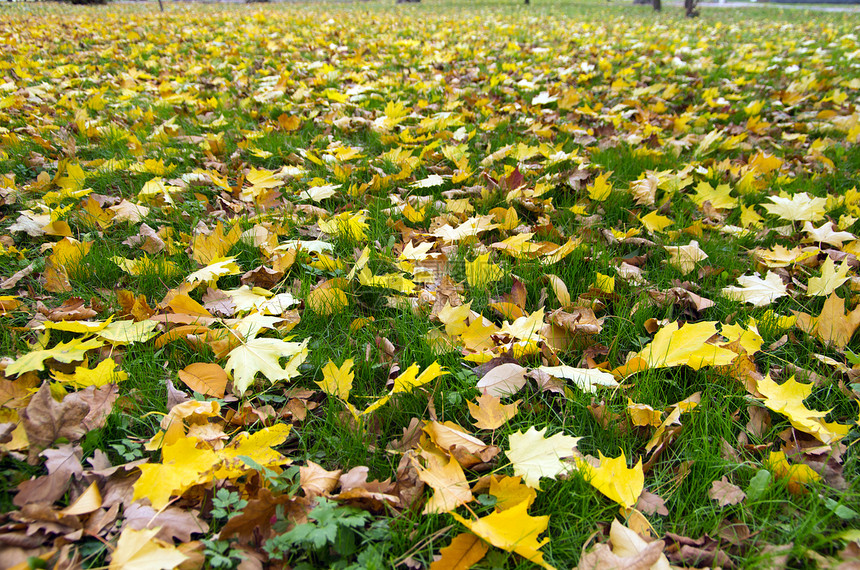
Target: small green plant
227 504
128 449
221 554
334 537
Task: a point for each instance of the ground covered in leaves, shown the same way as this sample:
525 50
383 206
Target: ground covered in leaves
364 286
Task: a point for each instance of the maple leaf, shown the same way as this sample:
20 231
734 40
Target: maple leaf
787 399
489 412
833 325
827 234
337 381
140 550
72 351
346 224
510 492
105 373
675 346
262 355
614 479
655 223
183 466
757 291
600 189
256 447
482 271
797 476
725 493
830 279
218 267
46 420
534 456
409 379
448 481
685 257
512 530
465 551
799 207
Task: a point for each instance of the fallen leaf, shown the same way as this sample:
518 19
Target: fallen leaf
534 456
725 493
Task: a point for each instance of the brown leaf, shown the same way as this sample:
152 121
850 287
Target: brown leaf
175 523
205 378
726 493
72 309
100 402
63 465
649 503
317 481
46 420
13 280
256 518
759 423
262 277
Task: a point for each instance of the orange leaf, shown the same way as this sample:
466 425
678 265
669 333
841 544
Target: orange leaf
465 550
206 378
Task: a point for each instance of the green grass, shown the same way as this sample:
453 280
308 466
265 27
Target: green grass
167 81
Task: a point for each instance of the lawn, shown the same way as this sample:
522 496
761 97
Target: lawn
437 285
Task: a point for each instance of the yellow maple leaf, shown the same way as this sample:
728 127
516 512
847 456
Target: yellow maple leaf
719 197
655 223
409 379
787 399
347 224
182 467
490 413
676 346
600 189
140 550
614 479
685 257
833 325
257 447
799 207
218 267
830 279
534 456
448 481
482 271
510 492
105 373
797 476
465 551
512 530
262 355
337 381
72 351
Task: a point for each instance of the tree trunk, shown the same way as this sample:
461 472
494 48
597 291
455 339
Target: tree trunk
690 8
657 4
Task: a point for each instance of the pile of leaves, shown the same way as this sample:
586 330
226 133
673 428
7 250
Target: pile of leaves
519 286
